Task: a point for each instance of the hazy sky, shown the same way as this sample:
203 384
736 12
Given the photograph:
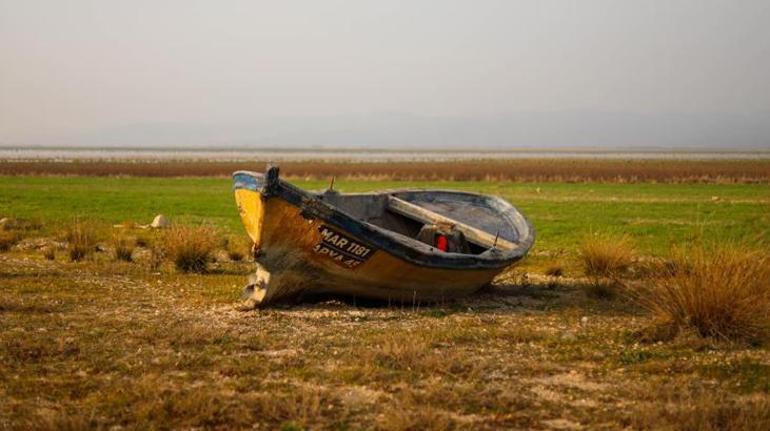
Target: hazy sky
385 73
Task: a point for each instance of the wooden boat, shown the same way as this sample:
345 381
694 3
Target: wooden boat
365 244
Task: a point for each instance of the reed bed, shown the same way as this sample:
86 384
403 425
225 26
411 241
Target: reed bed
525 170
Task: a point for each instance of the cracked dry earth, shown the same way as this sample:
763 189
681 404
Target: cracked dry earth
112 345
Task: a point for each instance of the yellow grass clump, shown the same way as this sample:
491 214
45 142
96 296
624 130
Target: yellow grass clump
81 240
8 239
190 247
123 248
606 255
720 291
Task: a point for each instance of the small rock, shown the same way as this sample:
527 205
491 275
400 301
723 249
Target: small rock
160 222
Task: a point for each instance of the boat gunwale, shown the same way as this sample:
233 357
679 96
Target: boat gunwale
394 243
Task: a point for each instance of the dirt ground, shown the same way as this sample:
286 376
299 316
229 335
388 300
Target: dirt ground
102 344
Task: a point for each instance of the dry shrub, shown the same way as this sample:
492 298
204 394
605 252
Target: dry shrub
606 255
8 240
81 240
720 291
123 248
190 247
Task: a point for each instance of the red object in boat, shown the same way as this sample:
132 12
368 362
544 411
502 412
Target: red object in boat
441 242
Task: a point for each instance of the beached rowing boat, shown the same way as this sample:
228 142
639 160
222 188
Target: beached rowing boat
401 245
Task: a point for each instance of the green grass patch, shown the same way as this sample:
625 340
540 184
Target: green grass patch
655 216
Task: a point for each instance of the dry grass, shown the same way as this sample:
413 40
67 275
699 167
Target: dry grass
190 247
123 248
104 345
8 239
720 291
81 240
49 253
235 255
700 410
235 247
142 241
604 255
554 270
603 288
569 170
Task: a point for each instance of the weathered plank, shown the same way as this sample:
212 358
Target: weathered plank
423 215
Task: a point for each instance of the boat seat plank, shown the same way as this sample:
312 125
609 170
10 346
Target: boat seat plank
472 234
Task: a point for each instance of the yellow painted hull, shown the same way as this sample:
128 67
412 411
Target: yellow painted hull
305 253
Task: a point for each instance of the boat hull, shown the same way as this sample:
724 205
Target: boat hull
302 245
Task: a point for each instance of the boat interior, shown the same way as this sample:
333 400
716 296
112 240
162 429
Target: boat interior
482 225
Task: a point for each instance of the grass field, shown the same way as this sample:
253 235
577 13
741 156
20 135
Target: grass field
103 343
655 215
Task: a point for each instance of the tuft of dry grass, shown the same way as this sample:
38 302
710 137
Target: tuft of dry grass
157 256
123 248
237 250
720 291
606 255
81 240
190 247
8 239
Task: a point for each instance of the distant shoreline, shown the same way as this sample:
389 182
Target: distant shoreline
362 155
586 169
